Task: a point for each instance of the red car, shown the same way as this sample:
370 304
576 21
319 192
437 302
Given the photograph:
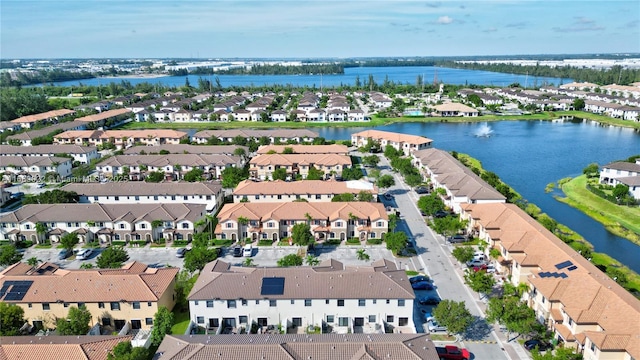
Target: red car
453 353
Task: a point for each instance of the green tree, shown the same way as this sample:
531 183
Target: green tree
290 260
198 257
232 176
453 315
112 257
69 240
287 150
620 191
11 319
393 222
33 261
448 225
430 204
76 322
351 173
578 104
154 177
86 265
346 197
9 255
162 322
463 254
396 241
561 353
315 174
385 181
361 254
124 351
365 196
592 170
390 152
239 152
248 262
514 314
279 174
301 234
184 283
311 260
479 281
55 196
193 175
413 179
371 160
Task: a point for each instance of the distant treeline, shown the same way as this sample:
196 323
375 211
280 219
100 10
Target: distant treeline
309 69
42 77
615 75
390 62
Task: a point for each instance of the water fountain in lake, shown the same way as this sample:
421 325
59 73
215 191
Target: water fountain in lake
484 131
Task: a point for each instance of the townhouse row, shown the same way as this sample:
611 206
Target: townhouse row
401 142
303 190
625 173
263 166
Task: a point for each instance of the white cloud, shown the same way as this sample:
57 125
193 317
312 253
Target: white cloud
444 20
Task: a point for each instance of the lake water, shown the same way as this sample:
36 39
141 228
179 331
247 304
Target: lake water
528 155
398 74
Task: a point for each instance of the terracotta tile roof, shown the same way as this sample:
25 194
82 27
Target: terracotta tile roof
192 160
58 347
298 347
300 159
306 149
104 115
394 137
256 134
119 134
134 282
454 107
305 283
297 211
43 116
186 149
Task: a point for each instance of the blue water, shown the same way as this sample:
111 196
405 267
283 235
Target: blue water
528 155
399 74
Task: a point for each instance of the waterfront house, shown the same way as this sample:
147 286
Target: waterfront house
304 149
455 109
274 135
405 143
121 138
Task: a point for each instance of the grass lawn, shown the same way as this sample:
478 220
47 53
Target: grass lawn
43 246
180 322
620 220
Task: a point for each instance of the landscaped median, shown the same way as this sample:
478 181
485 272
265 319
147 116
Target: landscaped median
623 221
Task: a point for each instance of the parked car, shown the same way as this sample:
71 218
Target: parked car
536 343
422 285
387 196
474 263
487 268
455 239
441 214
181 252
429 300
18 195
422 190
237 251
452 352
84 254
433 326
428 316
64 253
247 251
418 278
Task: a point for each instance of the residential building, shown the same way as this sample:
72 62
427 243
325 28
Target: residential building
309 190
582 306
9 126
331 296
404 142
35 168
298 347
99 119
26 137
103 222
625 173
274 135
174 166
455 109
85 347
278 116
82 154
29 121
116 298
121 138
140 192
185 149
328 220
305 149
263 166
462 185
4 196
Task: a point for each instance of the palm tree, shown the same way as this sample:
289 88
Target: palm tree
311 260
33 261
155 224
41 230
248 262
210 219
308 217
361 254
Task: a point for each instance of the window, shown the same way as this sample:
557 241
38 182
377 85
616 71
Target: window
593 347
116 198
326 301
95 198
400 302
185 225
272 303
136 305
200 319
65 304
340 302
148 303
293 302
137 198
330 319
186 197
389 318
279 197
372 318
195 303
100 305
343 321
115 306
121 226
30 305
403 321
231 304
318 197
257 302
148 321
338 223
362 302
307 302
243 319
228 225
388 301
46 307
155 197
244 302
143 226
209 303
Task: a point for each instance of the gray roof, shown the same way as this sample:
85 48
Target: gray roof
32 134
298 347
623 165
279 133
141 188
187 149
630 180
220 280
21 161
171 159
104 212
47 149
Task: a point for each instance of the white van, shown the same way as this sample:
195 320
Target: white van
247 251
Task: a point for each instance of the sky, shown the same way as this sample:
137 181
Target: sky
312 29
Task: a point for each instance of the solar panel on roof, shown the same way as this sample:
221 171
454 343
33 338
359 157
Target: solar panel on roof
563 265
571 268
564 276
544 274
272 286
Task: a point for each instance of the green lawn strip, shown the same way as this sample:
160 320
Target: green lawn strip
633 282
180 322
621 220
